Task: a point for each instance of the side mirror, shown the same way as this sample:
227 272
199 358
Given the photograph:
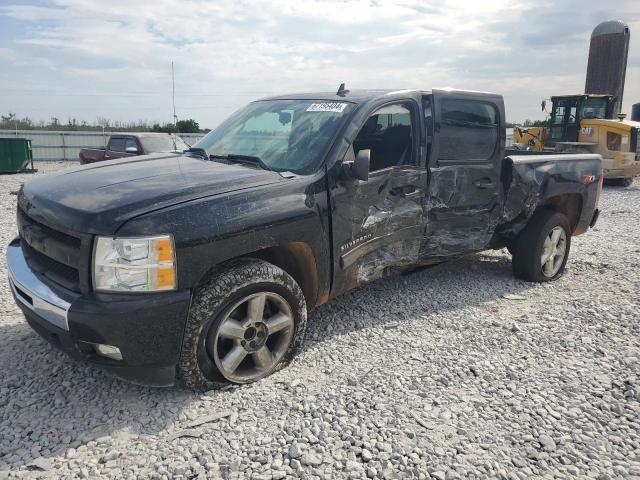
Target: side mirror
131 149
359 168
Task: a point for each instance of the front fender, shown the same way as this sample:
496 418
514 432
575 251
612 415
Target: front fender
210 231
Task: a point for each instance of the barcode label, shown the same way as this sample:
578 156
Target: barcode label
337 107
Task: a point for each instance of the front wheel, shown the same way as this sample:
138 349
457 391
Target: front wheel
541 250
245 323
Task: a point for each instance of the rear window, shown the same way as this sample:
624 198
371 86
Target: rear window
117 144
468 131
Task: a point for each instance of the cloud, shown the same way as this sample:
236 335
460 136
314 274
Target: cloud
88 58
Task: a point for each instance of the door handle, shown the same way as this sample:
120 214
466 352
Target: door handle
403 190
484 183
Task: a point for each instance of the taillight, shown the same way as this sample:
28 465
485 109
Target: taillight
600 183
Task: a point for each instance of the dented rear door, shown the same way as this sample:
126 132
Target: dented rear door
465 192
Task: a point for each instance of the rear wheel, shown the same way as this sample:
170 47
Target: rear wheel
541 250
619 182
245 323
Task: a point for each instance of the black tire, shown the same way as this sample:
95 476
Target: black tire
211 304
528 247
618 182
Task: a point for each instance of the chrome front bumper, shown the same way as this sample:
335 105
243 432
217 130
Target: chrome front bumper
32 292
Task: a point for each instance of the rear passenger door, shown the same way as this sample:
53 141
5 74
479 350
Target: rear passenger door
465 162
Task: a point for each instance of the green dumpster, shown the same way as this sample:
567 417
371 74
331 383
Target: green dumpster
16 156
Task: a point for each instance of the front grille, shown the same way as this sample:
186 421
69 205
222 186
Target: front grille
51 253
25 220
55 271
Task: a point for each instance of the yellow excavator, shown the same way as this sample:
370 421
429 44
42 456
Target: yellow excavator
583 123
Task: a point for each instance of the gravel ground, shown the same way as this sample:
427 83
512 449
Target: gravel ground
458 371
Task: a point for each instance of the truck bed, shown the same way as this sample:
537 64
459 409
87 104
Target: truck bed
530 181
90 155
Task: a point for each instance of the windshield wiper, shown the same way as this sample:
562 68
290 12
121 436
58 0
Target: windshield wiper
250 159
234 158
201 152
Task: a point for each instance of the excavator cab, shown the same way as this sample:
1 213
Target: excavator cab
567 112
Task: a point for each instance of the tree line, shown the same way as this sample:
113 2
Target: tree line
11 121
528 123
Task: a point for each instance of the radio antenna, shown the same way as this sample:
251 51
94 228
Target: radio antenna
342 91
173 95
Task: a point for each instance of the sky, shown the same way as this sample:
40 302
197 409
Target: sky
112 59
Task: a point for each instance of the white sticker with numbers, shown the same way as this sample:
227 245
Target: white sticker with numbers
336 107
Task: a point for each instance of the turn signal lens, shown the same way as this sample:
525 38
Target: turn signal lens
166 278
165 250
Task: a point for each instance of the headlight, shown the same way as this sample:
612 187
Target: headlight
142 264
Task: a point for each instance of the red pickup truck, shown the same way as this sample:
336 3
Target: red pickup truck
132 144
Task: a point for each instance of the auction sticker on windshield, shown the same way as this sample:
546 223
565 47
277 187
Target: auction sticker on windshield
337 107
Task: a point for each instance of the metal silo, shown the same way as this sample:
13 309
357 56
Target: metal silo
608 61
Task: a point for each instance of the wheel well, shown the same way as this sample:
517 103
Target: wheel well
569 204
298 260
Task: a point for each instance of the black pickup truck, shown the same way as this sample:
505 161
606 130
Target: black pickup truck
201 268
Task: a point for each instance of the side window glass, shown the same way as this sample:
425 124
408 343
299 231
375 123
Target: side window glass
468 131
131 143
116 145
572 115
388 133
614 140
558 116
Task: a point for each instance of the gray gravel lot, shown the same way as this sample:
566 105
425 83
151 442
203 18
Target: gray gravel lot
457 371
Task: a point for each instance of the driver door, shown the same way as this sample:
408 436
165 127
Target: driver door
378 224
564 126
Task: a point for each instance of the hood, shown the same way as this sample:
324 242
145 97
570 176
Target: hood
99 198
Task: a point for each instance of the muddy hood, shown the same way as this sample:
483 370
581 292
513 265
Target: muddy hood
99 198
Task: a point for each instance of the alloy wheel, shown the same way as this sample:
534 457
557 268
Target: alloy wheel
252 337
553 252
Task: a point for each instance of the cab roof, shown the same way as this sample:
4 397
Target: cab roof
352 96
142 134
365 96
611 122
584 95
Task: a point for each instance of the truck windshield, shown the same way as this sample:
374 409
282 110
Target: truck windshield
286 135
169 143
